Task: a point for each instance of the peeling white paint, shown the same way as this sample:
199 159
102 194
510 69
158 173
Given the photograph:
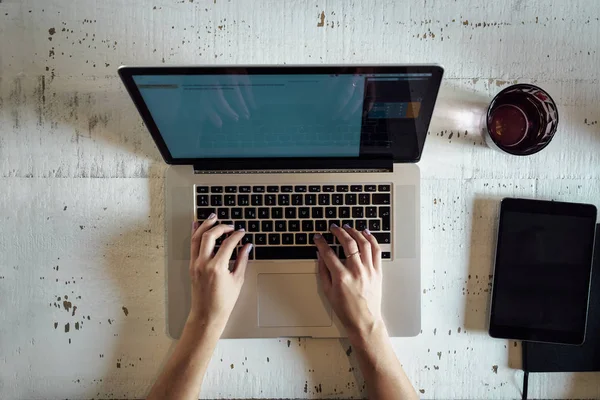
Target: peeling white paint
81 204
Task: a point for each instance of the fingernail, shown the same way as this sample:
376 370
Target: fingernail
231 226
195 225
249 249
346 226
317 236
212 215
241 230
368 232
334 226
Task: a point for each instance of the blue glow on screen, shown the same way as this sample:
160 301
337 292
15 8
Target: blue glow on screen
251 116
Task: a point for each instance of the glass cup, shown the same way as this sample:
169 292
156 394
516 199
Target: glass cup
521 120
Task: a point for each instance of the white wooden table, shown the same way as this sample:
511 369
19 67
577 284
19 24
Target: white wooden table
82 301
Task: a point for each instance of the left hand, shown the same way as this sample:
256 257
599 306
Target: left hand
215 289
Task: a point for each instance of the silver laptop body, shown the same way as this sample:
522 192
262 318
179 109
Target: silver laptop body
282 201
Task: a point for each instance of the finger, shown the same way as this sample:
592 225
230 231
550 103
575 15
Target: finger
324 273
375 249
229 244
197 231
363 245
239 268
223 106
213 116
238 99
330 259
246 84
349 244
209 238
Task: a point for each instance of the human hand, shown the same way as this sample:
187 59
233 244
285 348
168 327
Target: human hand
215 289
353 289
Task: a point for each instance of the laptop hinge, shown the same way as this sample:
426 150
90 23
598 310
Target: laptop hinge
295 171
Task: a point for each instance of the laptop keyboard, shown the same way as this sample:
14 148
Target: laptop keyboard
281 220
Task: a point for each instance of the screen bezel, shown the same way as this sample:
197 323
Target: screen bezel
126 73
589 211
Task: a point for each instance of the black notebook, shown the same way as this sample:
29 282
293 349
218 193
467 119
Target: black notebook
544 357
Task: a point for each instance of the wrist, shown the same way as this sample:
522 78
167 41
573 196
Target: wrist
367 333
206 327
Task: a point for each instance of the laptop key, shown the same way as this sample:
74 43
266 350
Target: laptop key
297 200
258 189
280 226
287 189
384 214
230 189
317 212
239 225
310 199
384 188
263 213
370 188
202 200
274 238
329 188
216 200
237 213
361 224
382 238
300 189
283 200
314 188
386 255
324 199
364 199
253 226
230 200
350 199
357 212
321 225
290 212
334 222
348 222
277 212
287 238
250 213
223 213
374 225
248 237
330 212
201 189
381 198
304 212
266 226
356 188
371 212
203 213
328 237
272 189
337 199
270 200
257 200
308 226
245 189
344 212
216 189
341 188
260 238
294 226
243 200
285 253
301 238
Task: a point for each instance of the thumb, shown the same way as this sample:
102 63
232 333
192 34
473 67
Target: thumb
239 268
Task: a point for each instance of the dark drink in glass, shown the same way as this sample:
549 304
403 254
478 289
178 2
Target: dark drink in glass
521 120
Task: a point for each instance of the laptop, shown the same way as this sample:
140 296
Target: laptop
284 152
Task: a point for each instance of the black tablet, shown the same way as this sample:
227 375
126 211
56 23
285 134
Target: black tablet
542 271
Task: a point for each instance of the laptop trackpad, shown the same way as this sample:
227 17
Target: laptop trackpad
291 300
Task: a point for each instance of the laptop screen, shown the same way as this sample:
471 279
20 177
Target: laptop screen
316 115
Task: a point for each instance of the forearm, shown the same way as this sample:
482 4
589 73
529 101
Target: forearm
384 376
182 376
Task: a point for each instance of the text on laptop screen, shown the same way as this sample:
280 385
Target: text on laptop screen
312 115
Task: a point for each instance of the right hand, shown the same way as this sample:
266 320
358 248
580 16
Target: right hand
353 288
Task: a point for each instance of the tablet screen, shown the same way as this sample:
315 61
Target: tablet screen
542 272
